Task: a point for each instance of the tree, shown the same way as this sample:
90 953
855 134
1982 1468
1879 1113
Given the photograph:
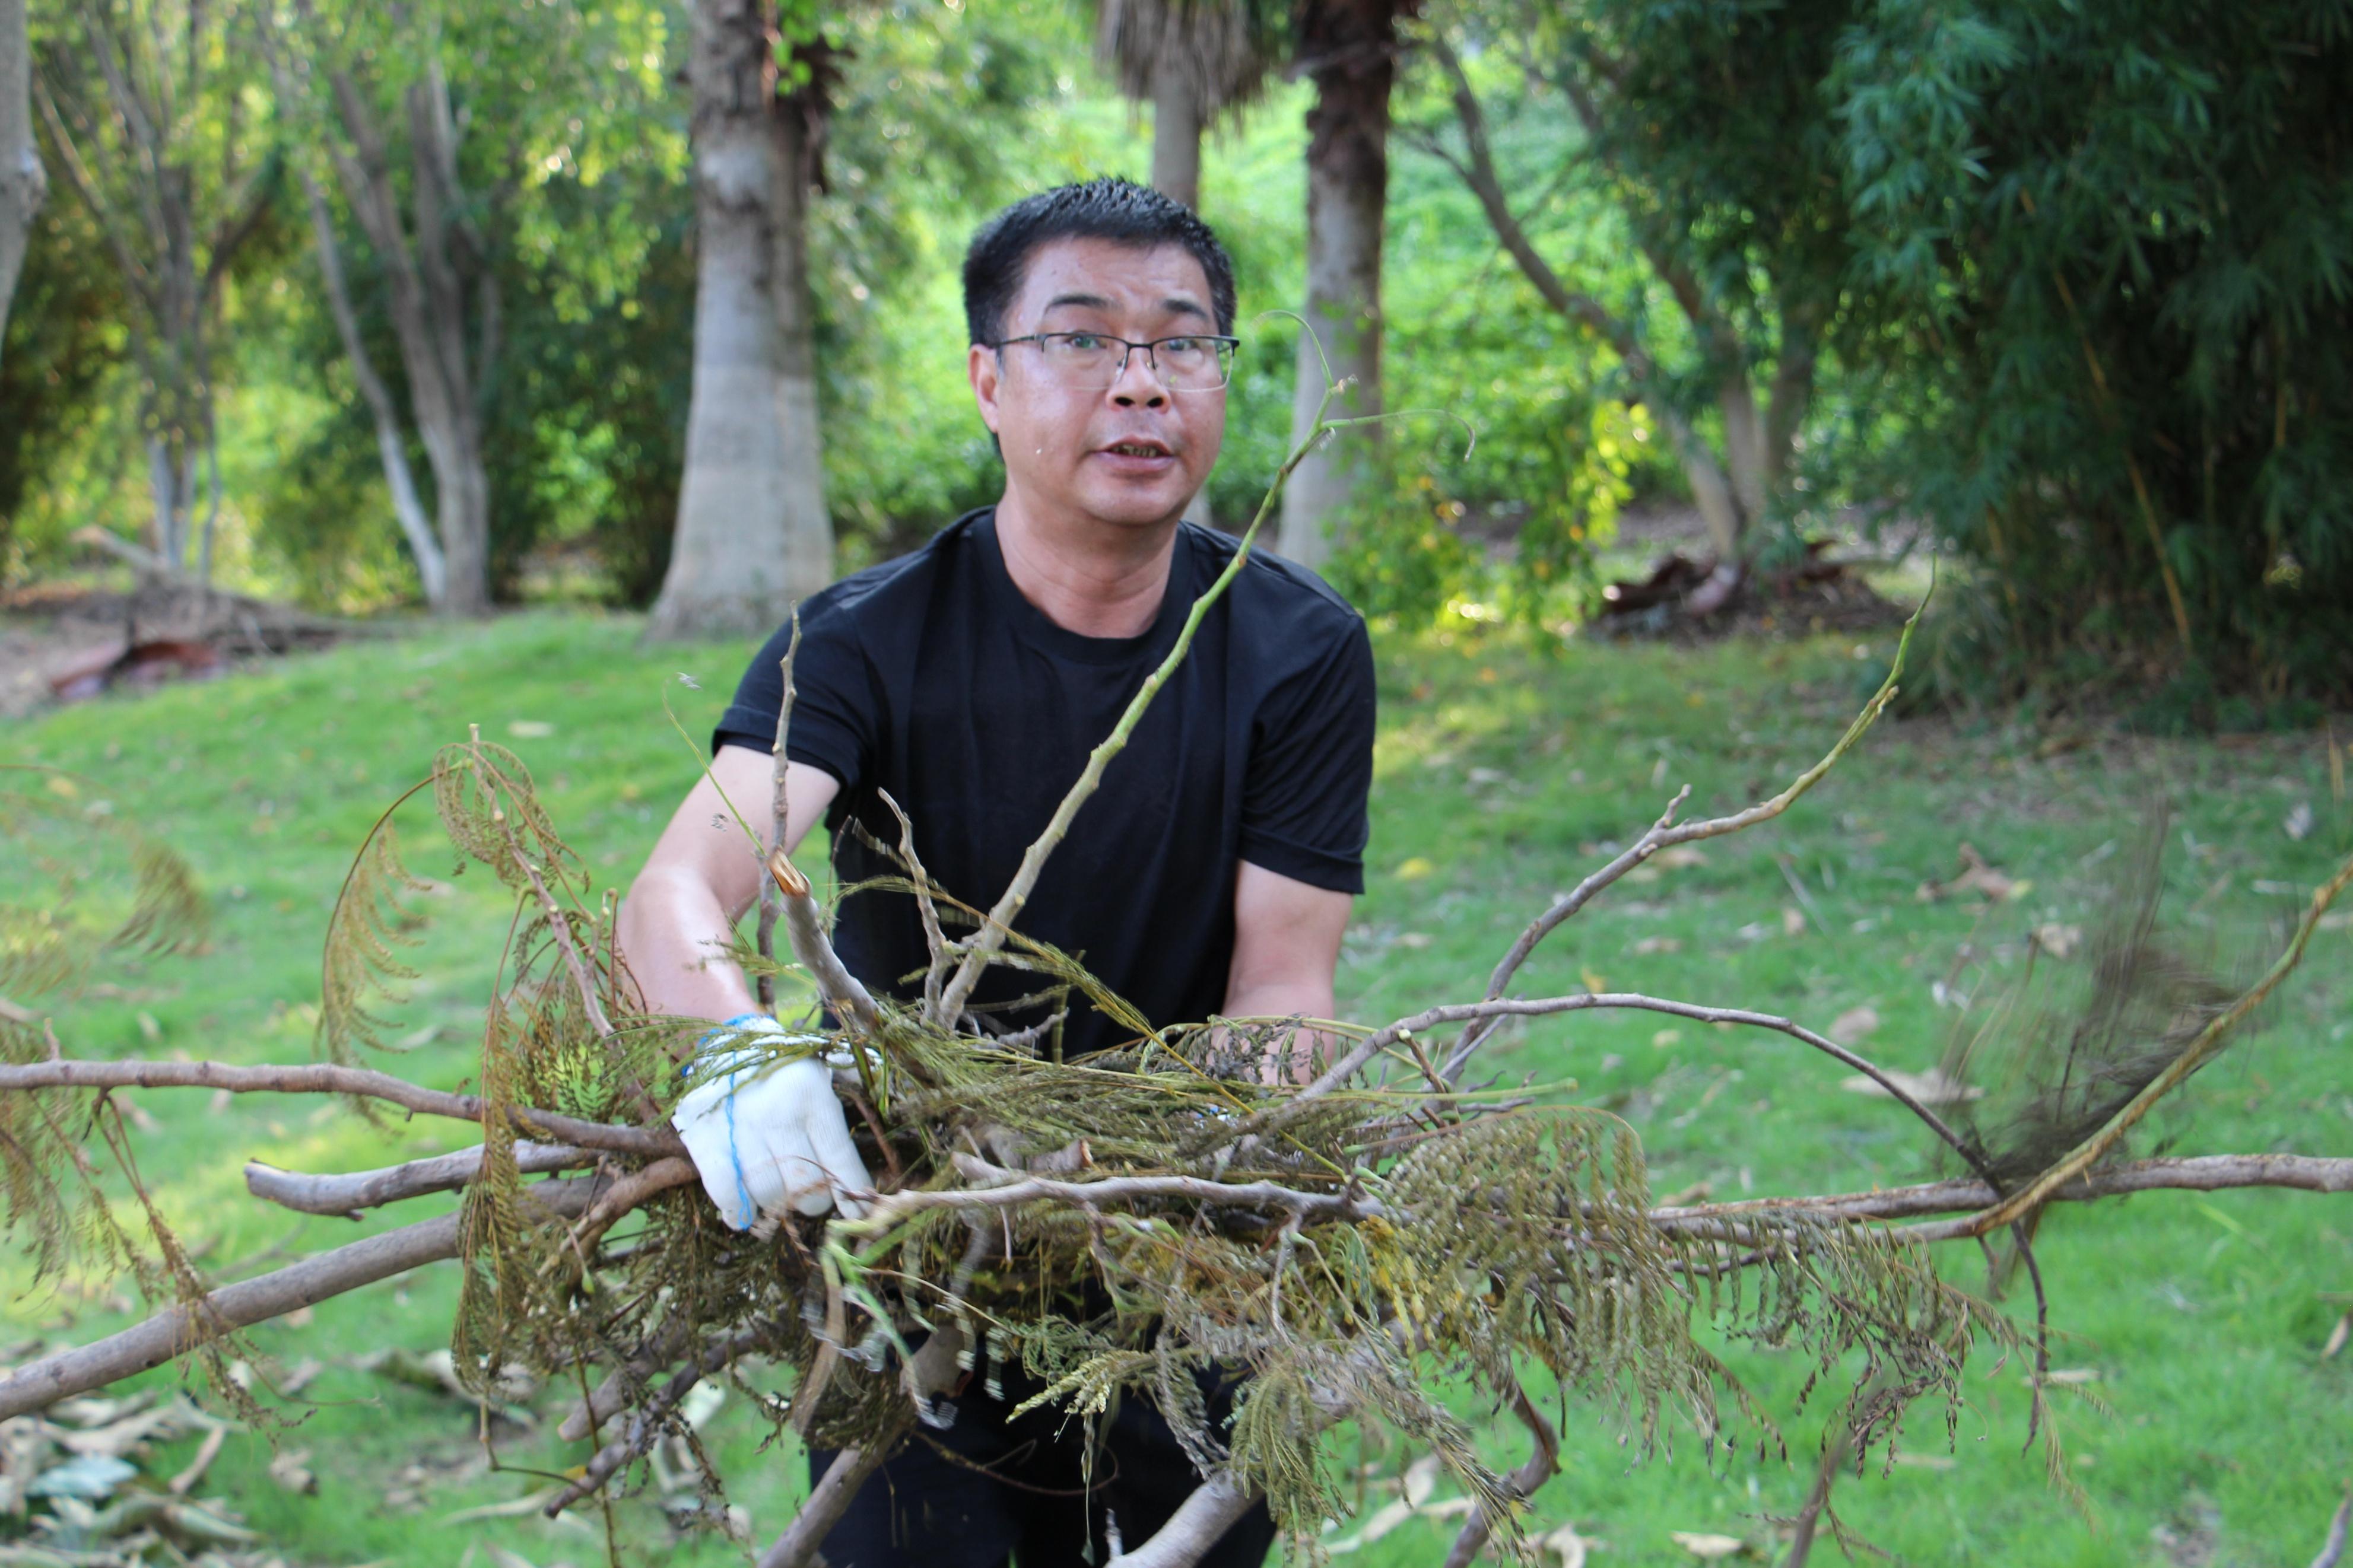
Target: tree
148 122
2118 334
1705 132
1194 61
23 181
754 535
1349 50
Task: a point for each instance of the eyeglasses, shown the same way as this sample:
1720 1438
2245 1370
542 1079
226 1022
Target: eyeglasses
1092 362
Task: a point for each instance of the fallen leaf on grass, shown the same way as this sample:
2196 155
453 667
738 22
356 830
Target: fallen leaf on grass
1414 939
1976 876
1650 944
531 729
1925 1461
2058 940
1678 858
1793 921
289 1472
1708 1547
1855 1026
1569 1545
1415 869
2336 1337
1420 1478
1930 1087
1665 1038
1386 1517
2299 822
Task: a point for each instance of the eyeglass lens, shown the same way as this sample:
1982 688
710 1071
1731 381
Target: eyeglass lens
1089 361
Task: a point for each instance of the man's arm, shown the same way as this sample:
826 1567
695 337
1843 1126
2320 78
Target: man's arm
1286 949
680 912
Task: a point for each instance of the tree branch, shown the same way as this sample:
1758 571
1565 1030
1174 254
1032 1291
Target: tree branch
1199 1522
347 1195
1542 1463
322 1077
178 1328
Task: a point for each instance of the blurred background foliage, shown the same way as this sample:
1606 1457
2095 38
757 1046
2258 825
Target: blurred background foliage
2071 289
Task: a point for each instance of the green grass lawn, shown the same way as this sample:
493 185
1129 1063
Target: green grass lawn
2219 1433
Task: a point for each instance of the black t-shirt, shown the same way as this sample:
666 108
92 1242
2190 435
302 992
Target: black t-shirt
932 678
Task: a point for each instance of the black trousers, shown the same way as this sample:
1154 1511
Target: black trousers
987 1490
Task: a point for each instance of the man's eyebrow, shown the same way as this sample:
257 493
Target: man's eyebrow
1085 301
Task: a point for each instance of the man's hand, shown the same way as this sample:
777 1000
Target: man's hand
766 1137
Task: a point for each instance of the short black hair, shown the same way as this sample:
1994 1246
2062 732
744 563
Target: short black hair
1109 209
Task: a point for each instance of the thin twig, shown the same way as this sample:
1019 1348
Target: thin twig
779 814
1542 1463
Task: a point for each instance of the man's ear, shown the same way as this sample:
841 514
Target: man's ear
987 374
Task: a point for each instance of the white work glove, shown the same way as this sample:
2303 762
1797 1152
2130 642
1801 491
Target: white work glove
766 1136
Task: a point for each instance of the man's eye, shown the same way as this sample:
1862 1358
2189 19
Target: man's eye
1082 343
1180 346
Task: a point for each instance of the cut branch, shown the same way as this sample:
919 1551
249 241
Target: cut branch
347 1195
1542 1463
179 1328
1199 1522
324 1078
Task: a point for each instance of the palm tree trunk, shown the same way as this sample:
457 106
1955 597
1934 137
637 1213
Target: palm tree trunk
1349 50
23 182
751 502
1177 137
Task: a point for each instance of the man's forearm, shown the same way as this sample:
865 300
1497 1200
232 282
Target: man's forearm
676 935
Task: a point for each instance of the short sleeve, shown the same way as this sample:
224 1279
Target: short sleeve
1310 772
836 705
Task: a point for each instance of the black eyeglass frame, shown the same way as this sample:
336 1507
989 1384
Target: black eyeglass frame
1233 346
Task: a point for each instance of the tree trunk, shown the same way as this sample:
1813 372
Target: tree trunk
407 506
1177 127
1349 49
745 548
1176 137
23 182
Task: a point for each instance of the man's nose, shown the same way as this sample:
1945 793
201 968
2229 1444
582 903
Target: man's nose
1138 383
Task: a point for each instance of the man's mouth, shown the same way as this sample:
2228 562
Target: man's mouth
1138 450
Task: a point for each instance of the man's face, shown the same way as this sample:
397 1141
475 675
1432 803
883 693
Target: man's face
1133 453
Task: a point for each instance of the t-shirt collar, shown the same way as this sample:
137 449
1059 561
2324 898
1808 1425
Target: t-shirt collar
1033 627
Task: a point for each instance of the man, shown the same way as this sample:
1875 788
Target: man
1212 873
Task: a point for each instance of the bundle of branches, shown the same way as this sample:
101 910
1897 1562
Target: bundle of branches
1115 1227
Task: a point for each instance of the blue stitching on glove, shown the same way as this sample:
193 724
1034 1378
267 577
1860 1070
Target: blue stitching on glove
735 1156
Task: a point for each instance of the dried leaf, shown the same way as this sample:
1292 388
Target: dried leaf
2336 1337
1930 1087
2299 822
1650 944
1977 877
289 1472
1855 1026
1706 1546
1568 1544
1678 856
2058 940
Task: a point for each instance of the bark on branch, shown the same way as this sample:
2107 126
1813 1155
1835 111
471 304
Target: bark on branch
178 1329
347 1195
322 1078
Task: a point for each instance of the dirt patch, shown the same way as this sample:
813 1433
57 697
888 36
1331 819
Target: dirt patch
65 642
1685 599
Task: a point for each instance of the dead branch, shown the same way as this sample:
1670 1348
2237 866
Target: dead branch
325 1078
347 1195
849 1000
2199 1173
779 816
931 1370
627 1193
1013 1189
646 1425
178 1328
1199 1522
1810 1516
2332 1551
1542 1463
